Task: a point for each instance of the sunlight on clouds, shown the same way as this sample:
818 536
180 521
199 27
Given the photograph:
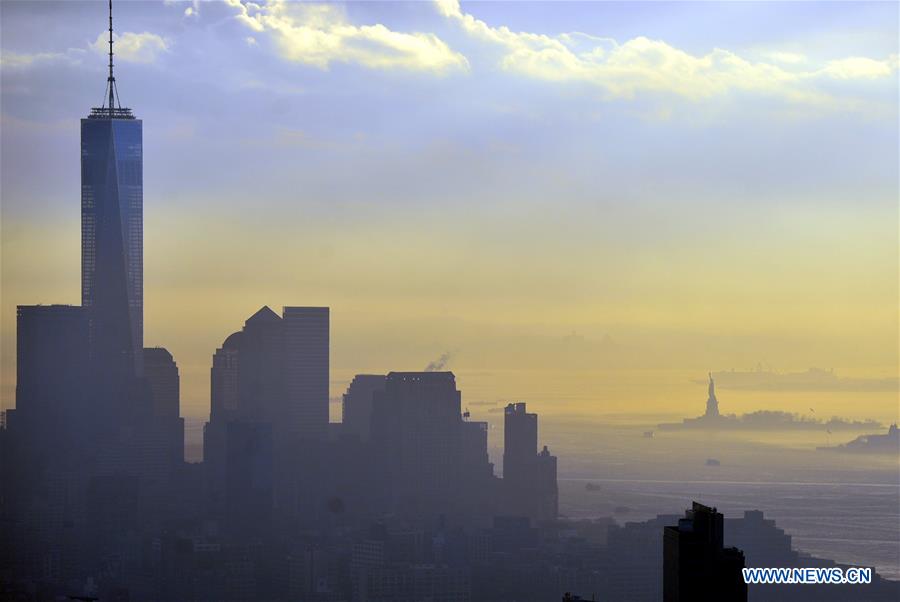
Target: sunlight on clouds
133 47
18 60
789 58
319 34
858 67
642 64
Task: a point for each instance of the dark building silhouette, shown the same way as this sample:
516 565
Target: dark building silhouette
529 478
224 393
696 565
416 426
161 373
249 478
161 436
273 373
357 404
761 541
306 369
475 460
113 522
276 370
47 440
398 504
261 392
635 563
51 362
547 488
112 226
520 441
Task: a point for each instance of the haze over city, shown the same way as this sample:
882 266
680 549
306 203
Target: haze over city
590 209
417 301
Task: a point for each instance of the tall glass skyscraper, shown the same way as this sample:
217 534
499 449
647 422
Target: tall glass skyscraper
112 230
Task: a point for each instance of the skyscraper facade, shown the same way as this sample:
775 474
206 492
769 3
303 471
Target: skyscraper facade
224 394
306 369
529 477
416 427
112 227
161 373
51 353
271 375
357 408
696 564
520 433
162 423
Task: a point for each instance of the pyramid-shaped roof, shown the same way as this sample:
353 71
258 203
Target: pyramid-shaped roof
263 316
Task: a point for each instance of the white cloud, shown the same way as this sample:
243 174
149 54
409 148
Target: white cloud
17 60
319 34
642 64
787 58
133 47
858 67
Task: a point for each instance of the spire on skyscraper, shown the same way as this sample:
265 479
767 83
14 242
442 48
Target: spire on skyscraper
111 80
111 106
112 230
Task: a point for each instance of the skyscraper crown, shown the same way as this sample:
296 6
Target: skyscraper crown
111 107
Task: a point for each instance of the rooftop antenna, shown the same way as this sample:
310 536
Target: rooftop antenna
111 80
111 107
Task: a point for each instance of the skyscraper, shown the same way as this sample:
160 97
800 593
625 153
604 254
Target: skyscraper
51 351
50 431
519 444
224 394
416 428
161 373
547 488
260 371
357 414
165 427
529 477
112 231
476 462
696 565
306 369
271 376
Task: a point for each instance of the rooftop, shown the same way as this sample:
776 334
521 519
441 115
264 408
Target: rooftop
107 113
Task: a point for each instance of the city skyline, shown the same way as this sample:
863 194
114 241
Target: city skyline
499 248
624 261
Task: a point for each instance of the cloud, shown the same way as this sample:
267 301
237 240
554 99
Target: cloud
131 47
858 67
641 64
319 35
788 58
17 60
814 379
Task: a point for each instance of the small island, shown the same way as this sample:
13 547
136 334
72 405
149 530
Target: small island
762 420
871 444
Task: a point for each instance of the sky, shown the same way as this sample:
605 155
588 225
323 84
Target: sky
588 206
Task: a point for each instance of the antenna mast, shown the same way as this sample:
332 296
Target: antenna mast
111 107
111 80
